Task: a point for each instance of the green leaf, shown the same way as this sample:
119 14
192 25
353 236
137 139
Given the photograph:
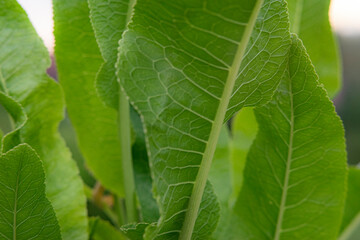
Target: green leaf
148 207
350 227
187 67
109 20
220 172
19 117
244 129
25 212
78 60
310 20
103 230
23 63
294 180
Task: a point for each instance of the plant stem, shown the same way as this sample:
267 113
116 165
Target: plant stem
126 157
120 209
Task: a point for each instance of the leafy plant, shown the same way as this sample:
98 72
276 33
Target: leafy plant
198 120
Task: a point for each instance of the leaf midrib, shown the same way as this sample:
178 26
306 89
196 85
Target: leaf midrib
202 176
288 168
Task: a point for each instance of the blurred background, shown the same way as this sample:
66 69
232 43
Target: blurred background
345 20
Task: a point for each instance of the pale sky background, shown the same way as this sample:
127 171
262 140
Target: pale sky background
344 17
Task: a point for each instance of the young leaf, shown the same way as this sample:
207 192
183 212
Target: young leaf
188 66
294 180
25 212
350 227
78 60
102 230
310 20
109 20
23 63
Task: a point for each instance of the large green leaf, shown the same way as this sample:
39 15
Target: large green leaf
294 180
109 19
23 63
25 212
78 60
187 66
310 20
350 227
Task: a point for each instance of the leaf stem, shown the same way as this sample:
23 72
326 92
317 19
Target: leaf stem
126 157
201 178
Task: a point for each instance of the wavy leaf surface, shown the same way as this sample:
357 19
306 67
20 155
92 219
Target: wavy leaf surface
23 63
78 60
296 168
25 212
310 20
187 67
109 20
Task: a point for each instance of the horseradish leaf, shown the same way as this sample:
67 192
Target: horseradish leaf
78 60
350 227
23 64
26 213
187 67
294 179
310 20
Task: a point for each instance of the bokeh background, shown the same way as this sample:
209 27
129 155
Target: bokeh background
345 20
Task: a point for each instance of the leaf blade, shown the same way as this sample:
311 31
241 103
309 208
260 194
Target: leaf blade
305 168
169 76
25 211
109 20
94 123
42 100
310 20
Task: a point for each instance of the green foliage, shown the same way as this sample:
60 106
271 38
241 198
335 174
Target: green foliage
109 19
23 63
26 213
310 20
230 133
296 167
350 227
166 66
78 60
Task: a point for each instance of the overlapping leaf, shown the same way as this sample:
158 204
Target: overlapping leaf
25 212
296 168
23 62
109 19
350 227
182 63
310 20
78 60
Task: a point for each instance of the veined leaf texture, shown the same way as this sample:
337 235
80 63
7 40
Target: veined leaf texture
187 71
